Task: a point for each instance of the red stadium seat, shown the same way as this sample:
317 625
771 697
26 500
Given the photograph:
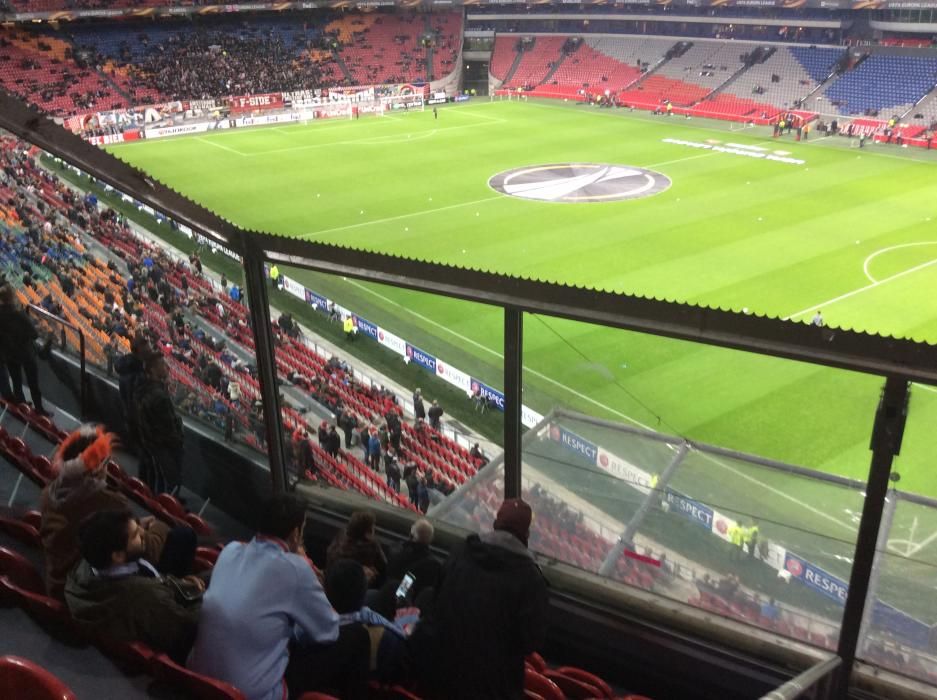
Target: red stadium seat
136 657
196 686
24 680
572 688
32 517
535 660
317 696
20 571
586 677
20 531
209 554
171 504
542 686
197 524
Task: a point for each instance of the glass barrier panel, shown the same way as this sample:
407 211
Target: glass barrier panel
410 397
678 469
898 628
900 615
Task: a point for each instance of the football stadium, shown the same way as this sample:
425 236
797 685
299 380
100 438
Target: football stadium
557 350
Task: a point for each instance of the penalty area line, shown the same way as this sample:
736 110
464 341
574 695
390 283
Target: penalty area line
860 290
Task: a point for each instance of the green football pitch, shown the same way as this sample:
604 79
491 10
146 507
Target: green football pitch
848 231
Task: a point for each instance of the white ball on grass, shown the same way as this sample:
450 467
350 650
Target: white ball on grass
361 212
857 242
463 250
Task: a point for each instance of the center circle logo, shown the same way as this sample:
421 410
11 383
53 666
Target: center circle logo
579 182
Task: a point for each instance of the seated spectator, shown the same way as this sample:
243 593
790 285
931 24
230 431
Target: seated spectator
488 614
117 594
81 489
357 541
267 625
346 586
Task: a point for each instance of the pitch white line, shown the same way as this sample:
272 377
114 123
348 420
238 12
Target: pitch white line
589 399
221 146
866 288
401 216
681 124
865 265
367 141
465 204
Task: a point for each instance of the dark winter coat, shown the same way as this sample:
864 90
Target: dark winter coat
159 424
17 334
132 608
414 558
488 613
71 497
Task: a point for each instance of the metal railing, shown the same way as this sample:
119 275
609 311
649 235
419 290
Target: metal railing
63 344
816 683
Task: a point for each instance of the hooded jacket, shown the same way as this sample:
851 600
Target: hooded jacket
489 612
71 497
132 608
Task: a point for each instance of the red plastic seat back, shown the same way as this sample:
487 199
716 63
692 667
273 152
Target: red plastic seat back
542 686
20 531
537 662
20 571
586 677
24 680
199 687
32 517
171 504
573 689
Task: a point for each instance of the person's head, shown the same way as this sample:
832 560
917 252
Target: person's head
346 585
361 525
421 531
283 516
110 537
85 450
155 366
515 516
7 295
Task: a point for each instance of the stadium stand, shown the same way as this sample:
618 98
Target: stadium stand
174 60
818 62
780 81
41 69
98 288
537 60
21 584
883 85
591 70
388 48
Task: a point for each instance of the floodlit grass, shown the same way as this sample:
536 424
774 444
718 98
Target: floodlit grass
849 231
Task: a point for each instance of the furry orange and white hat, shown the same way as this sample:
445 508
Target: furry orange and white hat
86 450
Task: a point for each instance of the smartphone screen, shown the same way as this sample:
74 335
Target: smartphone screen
405 584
